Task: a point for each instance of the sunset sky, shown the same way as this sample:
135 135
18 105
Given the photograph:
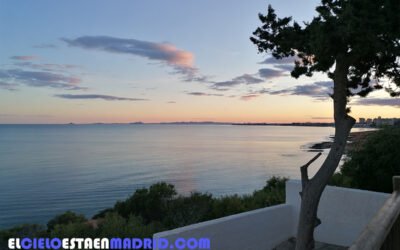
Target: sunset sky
155 61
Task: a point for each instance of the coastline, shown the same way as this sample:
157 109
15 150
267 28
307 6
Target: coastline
355 140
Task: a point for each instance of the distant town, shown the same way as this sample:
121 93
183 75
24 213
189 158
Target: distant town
362 123
378 122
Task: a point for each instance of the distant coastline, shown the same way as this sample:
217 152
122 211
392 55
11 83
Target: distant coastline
302 124
308 124
295 124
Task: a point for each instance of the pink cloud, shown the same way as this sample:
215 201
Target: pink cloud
249 97
176 56
180 60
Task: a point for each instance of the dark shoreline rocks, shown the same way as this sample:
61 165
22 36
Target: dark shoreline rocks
316 147
355 140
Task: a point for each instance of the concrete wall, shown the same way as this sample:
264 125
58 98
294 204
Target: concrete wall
344 213
258 229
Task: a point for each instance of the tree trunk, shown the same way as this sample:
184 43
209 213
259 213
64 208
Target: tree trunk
313 188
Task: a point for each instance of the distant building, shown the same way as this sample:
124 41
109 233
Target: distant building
381 122
378 122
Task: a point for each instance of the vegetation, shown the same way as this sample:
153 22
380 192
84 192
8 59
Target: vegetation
356 44
151 210
64 219
372 166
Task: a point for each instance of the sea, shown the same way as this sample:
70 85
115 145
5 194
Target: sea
48 169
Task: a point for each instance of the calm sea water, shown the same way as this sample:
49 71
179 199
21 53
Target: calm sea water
48 169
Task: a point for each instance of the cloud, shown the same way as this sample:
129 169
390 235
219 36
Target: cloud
270 73
182 61
8 86
41 79
203 94
48 66
318 90
24 58
249 97
45 46
394 102
171 102
285 67
285 64
285 60
248 79
192 75
103 97
243 79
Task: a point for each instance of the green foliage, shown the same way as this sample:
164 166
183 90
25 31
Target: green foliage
64 219
273 193
228 205
338 179
73 229
103 213
373 165
25 230
151 204
185 210
151 210
159 203
362 36
114 225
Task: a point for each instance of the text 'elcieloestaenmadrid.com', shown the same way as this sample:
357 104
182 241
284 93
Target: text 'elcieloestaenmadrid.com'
106 243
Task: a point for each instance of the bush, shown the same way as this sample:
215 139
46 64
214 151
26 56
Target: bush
22 231
373 165
114 225
73 230
150 204
64 219
188 210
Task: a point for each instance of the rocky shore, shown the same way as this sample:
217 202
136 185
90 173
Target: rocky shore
355 140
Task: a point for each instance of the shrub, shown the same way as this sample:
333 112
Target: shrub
64 219
188 210
372 166
73 230
150 204
114 225
22 231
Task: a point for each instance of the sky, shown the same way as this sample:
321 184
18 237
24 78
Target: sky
156 61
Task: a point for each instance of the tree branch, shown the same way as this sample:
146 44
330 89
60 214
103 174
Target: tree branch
304 170
317 222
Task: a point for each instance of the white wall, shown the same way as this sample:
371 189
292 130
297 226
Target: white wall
344 213
258 229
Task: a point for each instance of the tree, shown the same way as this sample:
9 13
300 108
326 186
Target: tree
356 43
